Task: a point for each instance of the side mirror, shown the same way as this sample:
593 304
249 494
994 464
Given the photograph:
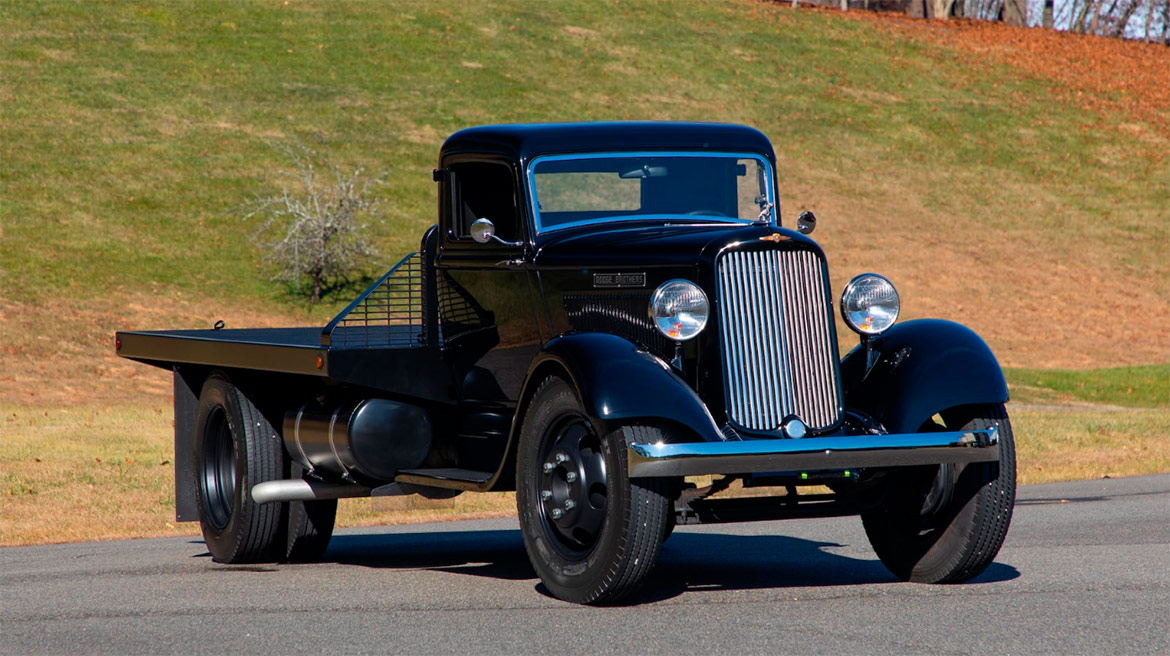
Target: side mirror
482 230
805 223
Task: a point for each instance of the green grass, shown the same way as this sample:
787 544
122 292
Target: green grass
1061 445
133 131
1135 387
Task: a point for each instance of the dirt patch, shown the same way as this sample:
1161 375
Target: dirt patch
61 352
1092 72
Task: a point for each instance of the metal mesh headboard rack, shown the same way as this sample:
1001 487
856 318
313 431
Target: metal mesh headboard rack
391 313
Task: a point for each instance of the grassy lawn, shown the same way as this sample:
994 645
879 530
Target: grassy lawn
992 194
1132 387
110 471
134 131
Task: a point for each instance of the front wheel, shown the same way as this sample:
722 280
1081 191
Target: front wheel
591 532
946 524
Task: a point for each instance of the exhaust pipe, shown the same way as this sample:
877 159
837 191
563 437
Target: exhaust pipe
302 490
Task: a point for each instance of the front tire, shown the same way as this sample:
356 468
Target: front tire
592 533
235 448
946 524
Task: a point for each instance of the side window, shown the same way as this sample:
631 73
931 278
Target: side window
484 190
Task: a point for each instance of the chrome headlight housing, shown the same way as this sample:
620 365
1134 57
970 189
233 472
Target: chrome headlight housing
679 309
870 304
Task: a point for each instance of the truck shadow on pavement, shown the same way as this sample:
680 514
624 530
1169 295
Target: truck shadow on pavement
690 561
490 553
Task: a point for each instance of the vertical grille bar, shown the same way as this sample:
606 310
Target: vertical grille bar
779 360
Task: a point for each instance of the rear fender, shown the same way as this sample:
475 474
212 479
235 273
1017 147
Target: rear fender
921 368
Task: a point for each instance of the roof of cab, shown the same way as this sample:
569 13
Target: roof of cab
522 142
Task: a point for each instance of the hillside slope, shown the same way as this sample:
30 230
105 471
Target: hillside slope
1028 205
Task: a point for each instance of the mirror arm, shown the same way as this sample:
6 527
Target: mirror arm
507 243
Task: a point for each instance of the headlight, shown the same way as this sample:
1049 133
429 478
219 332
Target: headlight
870 304
679 309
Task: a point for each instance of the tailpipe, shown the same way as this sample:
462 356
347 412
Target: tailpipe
303 490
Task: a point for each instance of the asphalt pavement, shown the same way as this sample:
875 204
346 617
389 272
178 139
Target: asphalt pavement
1085 570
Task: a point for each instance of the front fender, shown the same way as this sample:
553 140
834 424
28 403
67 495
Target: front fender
921 368
617 382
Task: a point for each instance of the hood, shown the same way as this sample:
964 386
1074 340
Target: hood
680 244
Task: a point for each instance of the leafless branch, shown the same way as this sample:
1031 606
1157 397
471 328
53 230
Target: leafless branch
312 231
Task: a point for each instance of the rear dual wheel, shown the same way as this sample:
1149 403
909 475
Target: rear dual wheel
591 532
235 448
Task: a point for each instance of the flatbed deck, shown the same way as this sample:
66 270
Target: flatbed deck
288 350
373 357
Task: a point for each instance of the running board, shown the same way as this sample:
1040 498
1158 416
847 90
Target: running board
449 478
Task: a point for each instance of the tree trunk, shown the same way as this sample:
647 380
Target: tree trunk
1149 15
1117 29
1015 12
1077 24
1166 22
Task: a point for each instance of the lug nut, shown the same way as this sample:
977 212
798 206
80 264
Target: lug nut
561 458
548 467
570 504
571 477
545 495
557 513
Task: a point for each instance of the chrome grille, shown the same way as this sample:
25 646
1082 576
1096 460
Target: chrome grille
778 340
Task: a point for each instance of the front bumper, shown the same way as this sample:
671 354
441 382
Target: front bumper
813 453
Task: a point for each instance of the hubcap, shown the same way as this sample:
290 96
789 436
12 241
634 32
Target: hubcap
219 469
573 489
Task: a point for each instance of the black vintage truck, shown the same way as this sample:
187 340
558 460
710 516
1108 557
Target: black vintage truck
601 311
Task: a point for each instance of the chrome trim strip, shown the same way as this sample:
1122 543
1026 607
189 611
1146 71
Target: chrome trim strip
297 438
814 453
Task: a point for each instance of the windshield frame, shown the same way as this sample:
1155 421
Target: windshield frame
530 182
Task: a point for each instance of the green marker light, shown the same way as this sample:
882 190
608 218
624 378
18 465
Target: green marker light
803 476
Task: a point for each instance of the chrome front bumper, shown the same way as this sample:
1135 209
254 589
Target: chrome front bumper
813 453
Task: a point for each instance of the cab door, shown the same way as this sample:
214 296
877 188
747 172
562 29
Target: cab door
490 327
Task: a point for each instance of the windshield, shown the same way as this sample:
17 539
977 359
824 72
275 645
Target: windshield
570 190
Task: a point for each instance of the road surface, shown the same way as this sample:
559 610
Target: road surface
1086 569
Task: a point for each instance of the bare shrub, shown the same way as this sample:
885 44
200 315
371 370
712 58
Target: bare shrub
313 230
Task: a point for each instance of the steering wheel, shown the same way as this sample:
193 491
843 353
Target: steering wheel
706 213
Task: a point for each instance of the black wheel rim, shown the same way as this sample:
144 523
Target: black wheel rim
219 469
573 490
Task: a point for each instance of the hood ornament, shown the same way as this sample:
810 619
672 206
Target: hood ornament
775 238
